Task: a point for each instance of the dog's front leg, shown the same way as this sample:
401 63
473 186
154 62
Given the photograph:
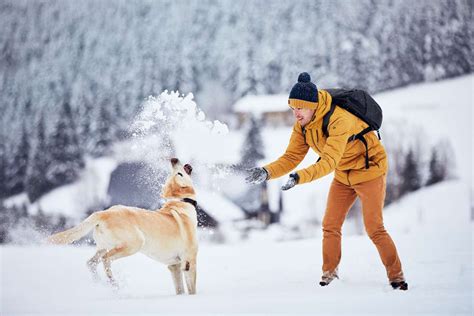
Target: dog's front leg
177 275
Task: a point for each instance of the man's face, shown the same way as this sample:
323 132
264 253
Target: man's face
303 116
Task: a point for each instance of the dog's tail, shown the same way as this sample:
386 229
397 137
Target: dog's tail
75 233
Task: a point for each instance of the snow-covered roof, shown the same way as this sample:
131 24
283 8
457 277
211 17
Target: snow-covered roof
17 201
76 198
219 207
258 104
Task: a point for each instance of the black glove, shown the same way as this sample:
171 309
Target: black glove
292 181
256 175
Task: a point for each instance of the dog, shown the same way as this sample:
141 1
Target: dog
168 235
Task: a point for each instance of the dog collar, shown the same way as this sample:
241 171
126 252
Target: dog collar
190 201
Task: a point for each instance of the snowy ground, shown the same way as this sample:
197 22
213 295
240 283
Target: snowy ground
432 229
267 277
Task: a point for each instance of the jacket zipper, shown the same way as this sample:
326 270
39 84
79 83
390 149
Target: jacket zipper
312 139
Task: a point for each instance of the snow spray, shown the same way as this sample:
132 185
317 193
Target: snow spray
174 126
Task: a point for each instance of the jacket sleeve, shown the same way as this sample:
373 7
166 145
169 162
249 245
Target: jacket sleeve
339 133
294 154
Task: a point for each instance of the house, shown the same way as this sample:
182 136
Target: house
273 110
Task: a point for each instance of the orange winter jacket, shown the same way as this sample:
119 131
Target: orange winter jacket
346 158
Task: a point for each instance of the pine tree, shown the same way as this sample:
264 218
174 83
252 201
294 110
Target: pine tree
85 115
252 150
396 158
438 168
256 199
3 165
36 181
66 157
16 167
104 130
411 178
85 134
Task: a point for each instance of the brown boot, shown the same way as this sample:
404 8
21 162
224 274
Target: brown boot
328 277
402 285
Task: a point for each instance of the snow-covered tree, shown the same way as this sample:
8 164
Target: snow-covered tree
410 175
255 200
17 166
104 132
438 165
36 183
252 149
64 150
3 169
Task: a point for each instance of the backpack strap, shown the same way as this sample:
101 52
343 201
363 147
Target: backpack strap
360 136
326 118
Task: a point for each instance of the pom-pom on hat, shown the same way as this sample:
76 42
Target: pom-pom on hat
304 93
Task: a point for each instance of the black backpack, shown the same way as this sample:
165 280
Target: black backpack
362 105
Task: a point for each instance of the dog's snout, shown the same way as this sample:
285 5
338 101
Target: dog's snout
174 161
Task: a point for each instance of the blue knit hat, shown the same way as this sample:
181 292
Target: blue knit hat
304 93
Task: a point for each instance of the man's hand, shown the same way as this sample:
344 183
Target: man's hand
292 181
256 175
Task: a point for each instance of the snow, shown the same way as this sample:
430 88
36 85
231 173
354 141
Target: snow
261 277
177 117
451 198
185 115
215 150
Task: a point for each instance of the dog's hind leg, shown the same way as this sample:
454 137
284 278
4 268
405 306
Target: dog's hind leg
94 261
114 254
177 275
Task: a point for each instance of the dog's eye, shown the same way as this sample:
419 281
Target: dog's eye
180 174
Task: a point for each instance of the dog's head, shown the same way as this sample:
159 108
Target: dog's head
179 183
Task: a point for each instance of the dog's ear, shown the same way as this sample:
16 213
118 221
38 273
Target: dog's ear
188 168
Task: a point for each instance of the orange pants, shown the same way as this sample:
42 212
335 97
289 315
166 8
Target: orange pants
372 196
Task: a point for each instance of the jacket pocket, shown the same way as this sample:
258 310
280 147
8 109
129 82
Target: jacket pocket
353 149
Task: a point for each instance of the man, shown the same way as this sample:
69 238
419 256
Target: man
352 177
